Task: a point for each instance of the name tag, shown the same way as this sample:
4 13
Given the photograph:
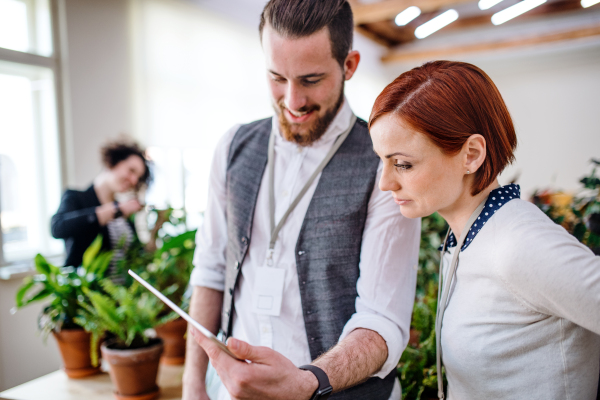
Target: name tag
268 291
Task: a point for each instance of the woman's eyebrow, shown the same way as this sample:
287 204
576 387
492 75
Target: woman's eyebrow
398 154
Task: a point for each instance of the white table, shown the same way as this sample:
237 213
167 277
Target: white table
56 386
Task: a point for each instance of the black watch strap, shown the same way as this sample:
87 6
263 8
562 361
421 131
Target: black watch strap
118 212
325 388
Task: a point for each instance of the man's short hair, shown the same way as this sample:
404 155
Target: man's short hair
300 18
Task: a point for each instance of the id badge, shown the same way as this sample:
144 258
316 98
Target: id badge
268 291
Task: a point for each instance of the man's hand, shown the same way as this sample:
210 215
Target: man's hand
265 375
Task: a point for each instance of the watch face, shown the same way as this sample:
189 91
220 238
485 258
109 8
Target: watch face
323 392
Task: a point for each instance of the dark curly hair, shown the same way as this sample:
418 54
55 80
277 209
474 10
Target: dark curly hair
116 151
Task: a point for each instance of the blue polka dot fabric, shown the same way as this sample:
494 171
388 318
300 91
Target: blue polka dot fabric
497 198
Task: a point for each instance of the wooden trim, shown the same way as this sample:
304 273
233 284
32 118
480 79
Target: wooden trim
373 36
388 9
404 56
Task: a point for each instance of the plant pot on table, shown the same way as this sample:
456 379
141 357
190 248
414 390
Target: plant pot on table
134 371
173 335
74 345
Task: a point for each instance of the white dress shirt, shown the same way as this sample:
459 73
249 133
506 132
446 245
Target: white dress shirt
388 262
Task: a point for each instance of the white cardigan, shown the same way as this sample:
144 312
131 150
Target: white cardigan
523 318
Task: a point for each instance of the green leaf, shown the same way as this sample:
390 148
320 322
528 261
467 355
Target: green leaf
42 294
100 264
28 283
42 265
92 251
579 231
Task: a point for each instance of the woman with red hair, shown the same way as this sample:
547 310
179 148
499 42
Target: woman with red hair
519 316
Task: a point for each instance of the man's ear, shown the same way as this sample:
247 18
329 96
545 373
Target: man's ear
475 151
351 64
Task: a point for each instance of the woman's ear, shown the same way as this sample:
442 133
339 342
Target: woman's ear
475 152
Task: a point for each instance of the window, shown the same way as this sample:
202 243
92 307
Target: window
30 182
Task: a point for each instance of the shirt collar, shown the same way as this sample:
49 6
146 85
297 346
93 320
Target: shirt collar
339 124
496 200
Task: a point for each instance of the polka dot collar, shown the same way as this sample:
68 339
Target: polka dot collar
497 198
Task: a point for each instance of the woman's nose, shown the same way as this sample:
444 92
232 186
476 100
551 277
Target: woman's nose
387 182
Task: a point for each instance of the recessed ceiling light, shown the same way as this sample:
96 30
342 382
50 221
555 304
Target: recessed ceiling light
485 4
408 15
514 11
436 24
589 3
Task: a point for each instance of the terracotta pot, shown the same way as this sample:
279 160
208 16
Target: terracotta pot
74 345
133 372
172 333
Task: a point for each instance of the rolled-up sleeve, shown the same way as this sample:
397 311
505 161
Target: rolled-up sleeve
211 238
388 275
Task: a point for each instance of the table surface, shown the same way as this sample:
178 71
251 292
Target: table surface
56 386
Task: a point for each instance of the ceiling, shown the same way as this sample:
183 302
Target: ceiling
554 21
473 32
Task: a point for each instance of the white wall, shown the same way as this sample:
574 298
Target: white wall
98 62
23 355
554 99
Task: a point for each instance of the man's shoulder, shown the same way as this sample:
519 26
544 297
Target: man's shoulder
253 136
254 125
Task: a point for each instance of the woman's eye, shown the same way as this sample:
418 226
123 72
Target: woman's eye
403 166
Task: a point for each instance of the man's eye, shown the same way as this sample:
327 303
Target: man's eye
403 166
278 80
309 82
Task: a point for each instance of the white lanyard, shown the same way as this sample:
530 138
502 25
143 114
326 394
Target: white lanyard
271 163
443 296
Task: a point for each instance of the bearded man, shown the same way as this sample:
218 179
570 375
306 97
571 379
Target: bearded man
302 262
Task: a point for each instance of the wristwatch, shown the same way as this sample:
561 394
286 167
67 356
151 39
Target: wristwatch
118 212
324 389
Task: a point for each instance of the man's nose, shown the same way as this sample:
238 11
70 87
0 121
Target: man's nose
295 98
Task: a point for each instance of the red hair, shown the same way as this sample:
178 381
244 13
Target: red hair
448 102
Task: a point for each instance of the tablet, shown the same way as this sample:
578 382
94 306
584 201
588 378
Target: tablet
183 314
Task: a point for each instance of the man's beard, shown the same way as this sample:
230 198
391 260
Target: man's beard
318 128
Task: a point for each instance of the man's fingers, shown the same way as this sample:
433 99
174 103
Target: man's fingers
211 349
244 351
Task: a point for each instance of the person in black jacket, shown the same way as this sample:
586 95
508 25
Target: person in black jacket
83 215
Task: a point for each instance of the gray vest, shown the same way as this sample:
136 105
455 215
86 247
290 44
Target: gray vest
329 244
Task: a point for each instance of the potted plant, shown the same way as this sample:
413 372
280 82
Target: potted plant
170 267
65 286
126 315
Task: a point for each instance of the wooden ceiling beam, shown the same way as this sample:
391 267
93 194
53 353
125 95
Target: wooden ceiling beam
444 52
388 9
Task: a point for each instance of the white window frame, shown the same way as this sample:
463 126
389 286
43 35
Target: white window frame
13 269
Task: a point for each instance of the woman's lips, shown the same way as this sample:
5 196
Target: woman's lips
402 202
297 120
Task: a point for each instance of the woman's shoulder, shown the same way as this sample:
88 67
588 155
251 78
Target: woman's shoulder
520 218
524 235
